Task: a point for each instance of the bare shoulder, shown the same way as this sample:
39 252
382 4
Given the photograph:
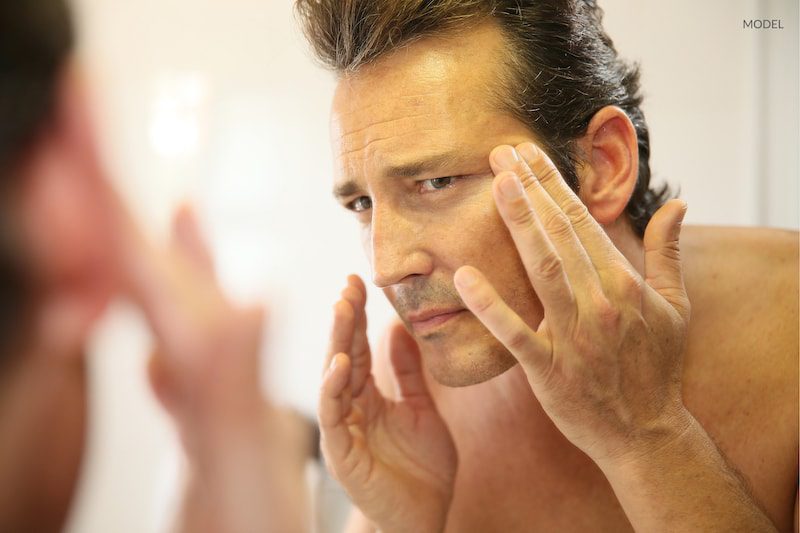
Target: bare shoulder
744 329
741 245
743 286
741 365
757 268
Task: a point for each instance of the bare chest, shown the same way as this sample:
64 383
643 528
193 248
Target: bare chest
516 471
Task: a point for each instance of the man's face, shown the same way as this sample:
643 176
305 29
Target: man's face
412 135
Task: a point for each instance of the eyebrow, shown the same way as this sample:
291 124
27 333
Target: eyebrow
404 170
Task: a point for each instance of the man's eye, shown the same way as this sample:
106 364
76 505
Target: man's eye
362 203
436 184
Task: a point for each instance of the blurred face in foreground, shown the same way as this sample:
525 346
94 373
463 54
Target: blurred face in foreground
59 218
412 134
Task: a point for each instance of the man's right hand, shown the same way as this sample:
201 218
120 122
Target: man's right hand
395 458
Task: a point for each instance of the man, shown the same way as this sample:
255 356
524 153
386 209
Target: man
559 384
68 246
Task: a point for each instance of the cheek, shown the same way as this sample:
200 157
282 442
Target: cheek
490 248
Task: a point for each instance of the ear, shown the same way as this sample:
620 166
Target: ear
64 218
611 164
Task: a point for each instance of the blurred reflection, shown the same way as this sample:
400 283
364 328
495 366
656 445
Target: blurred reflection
68 247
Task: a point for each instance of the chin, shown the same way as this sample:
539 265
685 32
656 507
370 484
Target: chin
467 363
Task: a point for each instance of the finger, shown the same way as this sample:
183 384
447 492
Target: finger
159 282
662 260
409 379
355 293
334 406
543 264
188 239
341 337
515 208
591 235
528 347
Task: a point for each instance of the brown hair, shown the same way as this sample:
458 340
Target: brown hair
35 38
563 66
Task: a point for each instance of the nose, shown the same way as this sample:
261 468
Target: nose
397 249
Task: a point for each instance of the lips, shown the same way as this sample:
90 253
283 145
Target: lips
429 319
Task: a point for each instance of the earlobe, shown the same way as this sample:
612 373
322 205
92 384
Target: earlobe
610 164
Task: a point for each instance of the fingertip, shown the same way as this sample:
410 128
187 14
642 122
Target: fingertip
502 155
184 220
667 221
466 278
353 296
342 310
507 187
528 151
356 281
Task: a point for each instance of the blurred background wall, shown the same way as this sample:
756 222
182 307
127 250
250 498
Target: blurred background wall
218 103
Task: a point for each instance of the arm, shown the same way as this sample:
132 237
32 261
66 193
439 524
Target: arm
250 476
685 485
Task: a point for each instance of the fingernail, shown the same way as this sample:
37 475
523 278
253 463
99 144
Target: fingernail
466 278
511 187
332 367
506 157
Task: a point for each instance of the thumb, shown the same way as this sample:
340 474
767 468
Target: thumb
662 261
404 356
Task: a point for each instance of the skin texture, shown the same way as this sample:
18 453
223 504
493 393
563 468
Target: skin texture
525 461
416 237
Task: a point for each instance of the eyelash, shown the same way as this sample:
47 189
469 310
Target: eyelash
352 204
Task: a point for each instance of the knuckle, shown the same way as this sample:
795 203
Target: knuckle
586 345
670 251
609 318
549 174
526 175
578 213
549 267
556 223
483 303
521 213
607 314
516 339
629 285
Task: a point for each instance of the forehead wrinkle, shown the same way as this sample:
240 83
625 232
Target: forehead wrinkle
342 139
370 147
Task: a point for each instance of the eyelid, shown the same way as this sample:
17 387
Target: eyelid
449 185
349 204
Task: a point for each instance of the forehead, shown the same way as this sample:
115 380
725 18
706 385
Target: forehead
419 100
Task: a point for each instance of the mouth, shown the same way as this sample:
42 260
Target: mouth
426 322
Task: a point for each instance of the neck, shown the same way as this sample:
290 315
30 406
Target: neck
627 241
